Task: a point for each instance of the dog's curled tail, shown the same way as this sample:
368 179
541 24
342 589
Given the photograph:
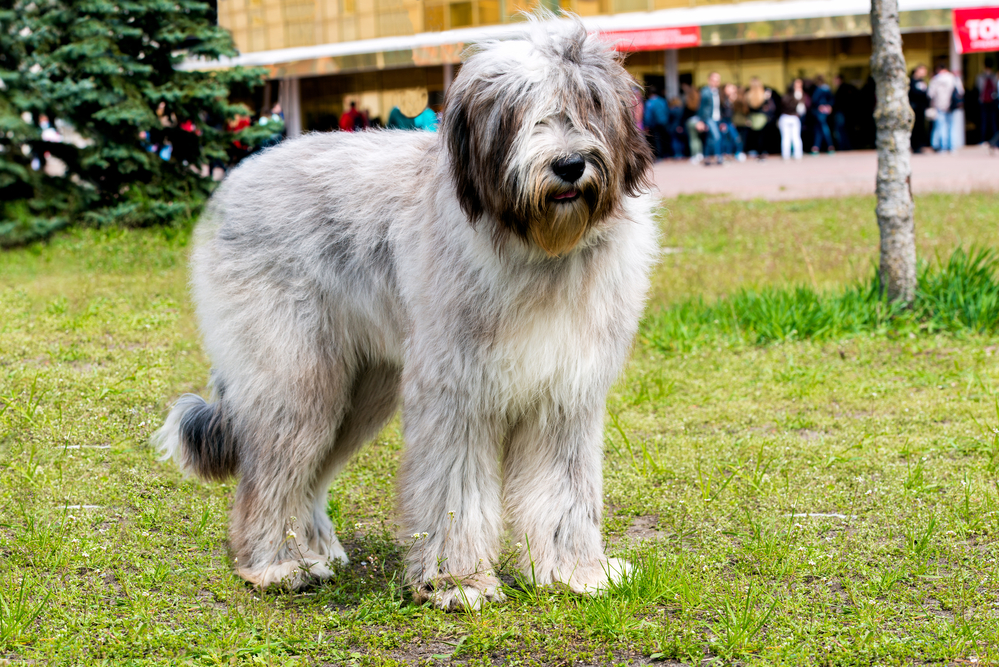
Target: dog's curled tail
198 436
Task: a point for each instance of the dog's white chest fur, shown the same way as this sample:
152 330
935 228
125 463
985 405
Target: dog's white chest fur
548 350
565 341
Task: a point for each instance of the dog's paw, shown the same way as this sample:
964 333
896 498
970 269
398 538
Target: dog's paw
593 579
293 574
328 547
469 595
465 598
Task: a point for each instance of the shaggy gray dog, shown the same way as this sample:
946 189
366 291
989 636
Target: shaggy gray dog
491 275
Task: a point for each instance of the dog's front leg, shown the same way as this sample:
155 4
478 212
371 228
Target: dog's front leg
553 492
449 495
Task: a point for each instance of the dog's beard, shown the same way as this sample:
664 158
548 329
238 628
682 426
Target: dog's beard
558 215
560 224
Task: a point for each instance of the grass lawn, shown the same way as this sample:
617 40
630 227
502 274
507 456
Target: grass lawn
831 502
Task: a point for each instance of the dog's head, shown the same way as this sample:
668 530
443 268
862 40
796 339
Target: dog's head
542 136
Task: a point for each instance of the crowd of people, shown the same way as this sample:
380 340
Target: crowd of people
353 120
719 121
705 125
173 139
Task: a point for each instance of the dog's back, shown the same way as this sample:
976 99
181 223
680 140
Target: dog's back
296 243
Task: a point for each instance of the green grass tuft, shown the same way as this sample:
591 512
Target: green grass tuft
961 295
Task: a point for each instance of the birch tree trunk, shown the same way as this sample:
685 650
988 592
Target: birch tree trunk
893 117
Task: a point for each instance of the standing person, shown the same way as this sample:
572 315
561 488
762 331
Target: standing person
710 113
187 145
693 124
655 119
793 107
276 122
988 98
427 120
237 149
733 113
943 90
822 106
844 111
919 101
349 118
675 128
761 106
397 120
158 133
866 129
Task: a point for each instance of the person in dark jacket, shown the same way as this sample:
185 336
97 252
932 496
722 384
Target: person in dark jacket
988 99
919 101
674 127
822 106
655 121
866 129
844 111
710 113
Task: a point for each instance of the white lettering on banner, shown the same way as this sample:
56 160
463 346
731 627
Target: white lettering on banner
982 28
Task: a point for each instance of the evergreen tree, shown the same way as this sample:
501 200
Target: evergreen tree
107 69
23 211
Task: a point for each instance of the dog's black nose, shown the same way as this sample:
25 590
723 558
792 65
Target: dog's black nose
570 167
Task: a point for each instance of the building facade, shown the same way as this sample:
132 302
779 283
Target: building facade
324 54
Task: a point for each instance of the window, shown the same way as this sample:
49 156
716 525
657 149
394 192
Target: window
461 14
433 18
489 12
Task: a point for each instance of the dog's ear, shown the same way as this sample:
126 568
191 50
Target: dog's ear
459 143
638 159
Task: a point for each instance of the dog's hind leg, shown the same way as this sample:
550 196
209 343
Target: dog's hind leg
373 400
286 430
553 495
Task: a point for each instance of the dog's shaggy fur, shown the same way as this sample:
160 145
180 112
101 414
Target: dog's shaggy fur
492 276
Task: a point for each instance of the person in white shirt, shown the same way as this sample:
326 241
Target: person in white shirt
793 107
946 94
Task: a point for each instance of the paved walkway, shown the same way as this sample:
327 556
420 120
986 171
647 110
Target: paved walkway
970 169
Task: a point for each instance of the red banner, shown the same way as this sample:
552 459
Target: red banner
977 29
654 39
